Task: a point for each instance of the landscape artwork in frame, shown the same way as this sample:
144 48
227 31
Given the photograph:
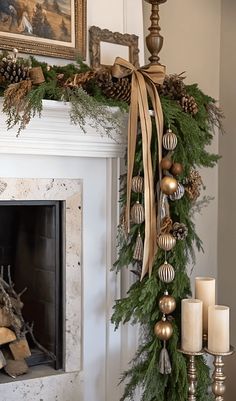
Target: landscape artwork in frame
55 28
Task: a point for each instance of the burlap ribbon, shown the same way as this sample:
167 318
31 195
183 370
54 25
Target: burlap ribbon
143 83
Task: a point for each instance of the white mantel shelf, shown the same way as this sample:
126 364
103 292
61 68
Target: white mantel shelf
54 134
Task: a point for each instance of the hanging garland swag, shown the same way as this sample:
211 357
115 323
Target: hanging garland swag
156 236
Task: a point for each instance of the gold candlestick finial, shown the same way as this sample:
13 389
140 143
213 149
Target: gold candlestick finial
154 40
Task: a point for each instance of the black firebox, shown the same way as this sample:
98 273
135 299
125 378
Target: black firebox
31 244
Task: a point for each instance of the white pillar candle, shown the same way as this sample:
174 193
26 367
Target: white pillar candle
205 290
218 329
191 325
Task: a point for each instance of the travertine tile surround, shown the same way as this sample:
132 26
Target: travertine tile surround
61 386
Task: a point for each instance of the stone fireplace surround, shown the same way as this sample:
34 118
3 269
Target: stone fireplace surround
68 191
53 159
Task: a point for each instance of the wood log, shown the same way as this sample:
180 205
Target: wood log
2 360
15 368
6 335
20 349
5 318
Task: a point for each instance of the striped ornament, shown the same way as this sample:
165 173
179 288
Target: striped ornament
137 213
177 195
166 242
166 273
137 184
169 140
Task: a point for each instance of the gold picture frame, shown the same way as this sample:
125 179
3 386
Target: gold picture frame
52 28
98 35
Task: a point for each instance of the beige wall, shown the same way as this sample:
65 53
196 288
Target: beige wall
227 181
200 39
191 31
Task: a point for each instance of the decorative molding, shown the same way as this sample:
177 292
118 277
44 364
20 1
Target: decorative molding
54 134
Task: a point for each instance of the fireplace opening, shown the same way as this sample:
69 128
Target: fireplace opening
31 250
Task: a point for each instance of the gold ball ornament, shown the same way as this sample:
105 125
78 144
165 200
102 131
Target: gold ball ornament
166 163
169 140
137 184
169 185
166 273
177 169
137 213
166 242
167 304
163 330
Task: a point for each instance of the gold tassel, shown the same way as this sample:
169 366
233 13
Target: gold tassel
164 362
138 250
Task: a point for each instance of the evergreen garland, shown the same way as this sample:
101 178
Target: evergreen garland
141 303
191 115
93 105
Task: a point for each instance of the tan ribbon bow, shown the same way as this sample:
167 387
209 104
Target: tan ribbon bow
143 83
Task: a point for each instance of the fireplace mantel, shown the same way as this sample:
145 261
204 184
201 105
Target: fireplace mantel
54 134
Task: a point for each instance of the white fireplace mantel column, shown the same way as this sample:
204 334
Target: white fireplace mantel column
51 147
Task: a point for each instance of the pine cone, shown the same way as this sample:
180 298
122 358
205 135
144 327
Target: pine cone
193 185
189 104
173 87
166 225
193 193
179 231
113 88
13 71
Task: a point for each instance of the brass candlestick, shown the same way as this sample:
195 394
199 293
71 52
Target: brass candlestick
218 377
192 373
154 40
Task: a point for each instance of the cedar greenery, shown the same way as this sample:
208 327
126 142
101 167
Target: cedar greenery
141 303
83 105
140 306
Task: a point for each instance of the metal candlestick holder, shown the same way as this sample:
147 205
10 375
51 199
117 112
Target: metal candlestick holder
192 372
154 40
218 376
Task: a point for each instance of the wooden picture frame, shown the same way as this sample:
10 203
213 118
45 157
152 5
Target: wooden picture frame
52 28
98 35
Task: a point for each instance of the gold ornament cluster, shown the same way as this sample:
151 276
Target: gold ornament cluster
172 190
169 232
137 215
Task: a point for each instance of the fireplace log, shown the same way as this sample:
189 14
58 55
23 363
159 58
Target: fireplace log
5 318
8 294
2 360
20 349
15 368
6 335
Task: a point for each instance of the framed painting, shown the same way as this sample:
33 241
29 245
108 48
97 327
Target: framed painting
55 28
